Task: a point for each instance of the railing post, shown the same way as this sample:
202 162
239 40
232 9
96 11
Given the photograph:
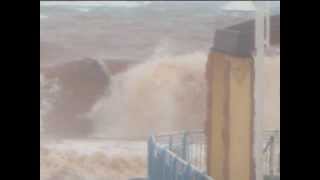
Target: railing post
184 145
188 173
271 155
150 157
279 164
173 171
170 142
162 164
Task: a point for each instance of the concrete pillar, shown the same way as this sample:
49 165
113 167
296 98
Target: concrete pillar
230 74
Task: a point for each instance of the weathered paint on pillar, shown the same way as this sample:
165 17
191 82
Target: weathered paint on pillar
230 125
230 112
232 103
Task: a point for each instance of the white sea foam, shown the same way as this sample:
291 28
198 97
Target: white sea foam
43 16
48 94
128 4
164 94
92 160
83 9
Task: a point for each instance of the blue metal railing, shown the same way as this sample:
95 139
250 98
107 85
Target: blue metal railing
182 155
191 146
177 156
271 153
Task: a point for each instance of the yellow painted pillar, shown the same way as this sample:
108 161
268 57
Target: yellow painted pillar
230 116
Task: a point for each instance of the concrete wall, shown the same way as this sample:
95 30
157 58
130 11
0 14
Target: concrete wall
230 117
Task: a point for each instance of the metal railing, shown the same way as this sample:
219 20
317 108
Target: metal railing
271 153
183 155
177 156
191 146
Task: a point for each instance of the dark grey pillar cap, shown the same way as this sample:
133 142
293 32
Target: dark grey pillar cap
233 42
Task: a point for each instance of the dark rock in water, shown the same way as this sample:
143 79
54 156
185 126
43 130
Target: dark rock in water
119 66
81 83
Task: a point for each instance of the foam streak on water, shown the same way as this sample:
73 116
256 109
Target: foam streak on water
127 4
92 160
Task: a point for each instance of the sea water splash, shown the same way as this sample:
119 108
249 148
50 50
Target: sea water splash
49 90
168 93
164 94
